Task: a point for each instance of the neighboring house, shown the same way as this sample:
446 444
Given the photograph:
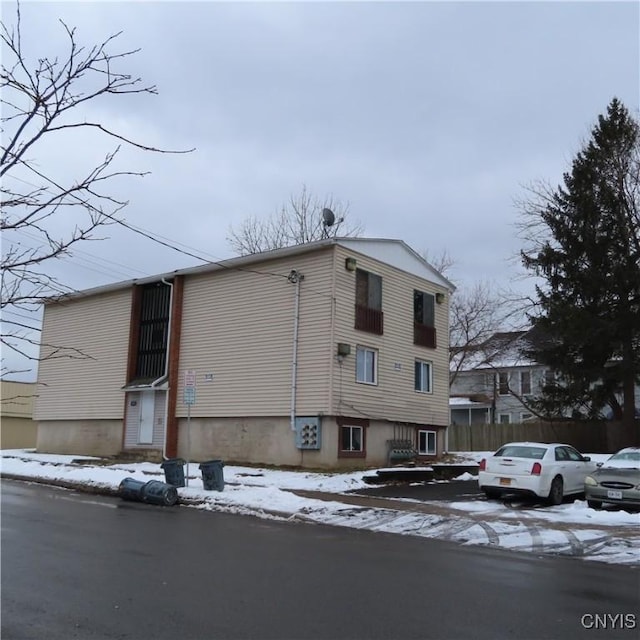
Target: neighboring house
314 356
495 382
17 428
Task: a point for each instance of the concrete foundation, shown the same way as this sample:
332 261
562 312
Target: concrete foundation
80 437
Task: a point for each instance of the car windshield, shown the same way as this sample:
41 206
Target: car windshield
521 451
631 456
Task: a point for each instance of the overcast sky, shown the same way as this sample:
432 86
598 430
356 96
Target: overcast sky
427 118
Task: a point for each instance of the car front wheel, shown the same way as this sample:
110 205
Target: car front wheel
556 492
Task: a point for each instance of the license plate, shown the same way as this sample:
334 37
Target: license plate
506 481
614 495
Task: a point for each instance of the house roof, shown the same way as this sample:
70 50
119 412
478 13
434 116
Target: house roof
503 350
465 402
393 252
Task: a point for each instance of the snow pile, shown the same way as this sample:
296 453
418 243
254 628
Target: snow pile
571 529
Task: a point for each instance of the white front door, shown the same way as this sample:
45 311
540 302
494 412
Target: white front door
145 430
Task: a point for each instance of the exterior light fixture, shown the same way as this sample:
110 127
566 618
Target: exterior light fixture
344 349
350 264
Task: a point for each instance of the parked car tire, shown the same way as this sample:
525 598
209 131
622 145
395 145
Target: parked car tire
594 504
556 493
492 494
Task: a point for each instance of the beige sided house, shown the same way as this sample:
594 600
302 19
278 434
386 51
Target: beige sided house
315 356
17 428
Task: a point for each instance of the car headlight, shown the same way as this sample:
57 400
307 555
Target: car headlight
591 482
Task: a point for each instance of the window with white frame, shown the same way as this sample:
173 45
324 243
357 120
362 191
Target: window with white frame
366 365
427 443
524 417
351 438
504 418
423 379
503 383
525 383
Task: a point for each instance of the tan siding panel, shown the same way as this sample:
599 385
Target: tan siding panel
239 326
393 398
17 398
95 330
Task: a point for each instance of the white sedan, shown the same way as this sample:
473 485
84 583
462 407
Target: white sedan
549 471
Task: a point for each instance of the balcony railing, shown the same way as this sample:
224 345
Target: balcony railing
424 335
370 320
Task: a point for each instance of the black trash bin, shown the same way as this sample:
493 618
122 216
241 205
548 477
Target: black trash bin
152 492
174 472
212 475
156 492
131 489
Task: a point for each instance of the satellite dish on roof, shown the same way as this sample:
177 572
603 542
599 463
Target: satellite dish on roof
328 217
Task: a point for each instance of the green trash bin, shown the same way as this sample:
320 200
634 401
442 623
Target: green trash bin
212 475
174 472
131 489
151 492
156 492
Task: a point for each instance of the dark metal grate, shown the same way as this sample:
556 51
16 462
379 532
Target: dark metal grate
424 335
154 331
368 319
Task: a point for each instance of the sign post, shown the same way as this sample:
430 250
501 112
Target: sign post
189 398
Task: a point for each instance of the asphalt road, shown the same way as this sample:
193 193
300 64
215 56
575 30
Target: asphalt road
82 566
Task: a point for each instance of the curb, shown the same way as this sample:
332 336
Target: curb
104 490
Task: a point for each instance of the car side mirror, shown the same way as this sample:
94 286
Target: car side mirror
599 464
586 458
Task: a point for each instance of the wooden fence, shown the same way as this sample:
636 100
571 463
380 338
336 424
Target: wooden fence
591 437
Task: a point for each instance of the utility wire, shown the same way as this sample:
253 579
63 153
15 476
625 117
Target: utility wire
148 234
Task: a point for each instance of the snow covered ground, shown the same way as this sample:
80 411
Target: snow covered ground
568 529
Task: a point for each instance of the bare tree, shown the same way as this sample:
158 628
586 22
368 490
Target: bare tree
442 262
475 315
40 104
298 221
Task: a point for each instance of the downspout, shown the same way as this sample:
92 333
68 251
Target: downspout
166 371
446 431
296 278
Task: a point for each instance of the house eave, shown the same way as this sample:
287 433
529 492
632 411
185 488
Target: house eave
244 262
160 384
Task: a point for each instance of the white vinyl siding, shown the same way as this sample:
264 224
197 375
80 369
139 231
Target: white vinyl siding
394 397
94 332
132 420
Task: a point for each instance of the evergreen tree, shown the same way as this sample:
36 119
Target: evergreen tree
584 243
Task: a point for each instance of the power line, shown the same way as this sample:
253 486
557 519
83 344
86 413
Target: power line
157 238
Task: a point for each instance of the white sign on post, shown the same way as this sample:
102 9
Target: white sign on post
189 395
190 378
